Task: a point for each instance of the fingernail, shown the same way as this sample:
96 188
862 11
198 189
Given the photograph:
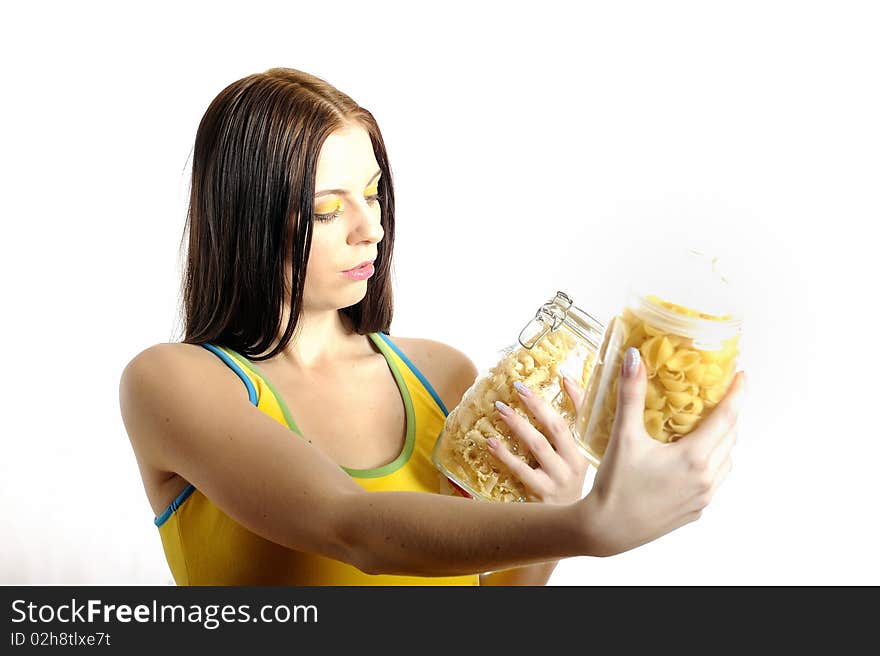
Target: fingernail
631 362
492 442
522 389
503 408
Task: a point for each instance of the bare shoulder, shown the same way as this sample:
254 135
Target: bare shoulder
173 360
170 350
177 358
448 369
145 386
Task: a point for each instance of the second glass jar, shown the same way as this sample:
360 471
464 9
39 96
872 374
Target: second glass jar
690 357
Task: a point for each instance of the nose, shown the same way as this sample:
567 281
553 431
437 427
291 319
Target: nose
366 224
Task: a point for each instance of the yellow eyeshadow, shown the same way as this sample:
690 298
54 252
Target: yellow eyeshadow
373 190
328 206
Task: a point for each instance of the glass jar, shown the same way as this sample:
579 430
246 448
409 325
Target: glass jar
562 340
687 329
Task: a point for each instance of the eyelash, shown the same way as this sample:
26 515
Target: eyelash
332 215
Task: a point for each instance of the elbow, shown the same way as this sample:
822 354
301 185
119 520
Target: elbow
357 554
367 565
351 543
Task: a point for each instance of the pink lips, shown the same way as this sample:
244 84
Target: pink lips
360 272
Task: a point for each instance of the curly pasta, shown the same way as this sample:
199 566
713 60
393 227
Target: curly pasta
684 382
461 452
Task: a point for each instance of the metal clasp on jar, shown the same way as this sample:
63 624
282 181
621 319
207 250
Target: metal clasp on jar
548 318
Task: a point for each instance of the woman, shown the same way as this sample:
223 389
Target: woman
287 308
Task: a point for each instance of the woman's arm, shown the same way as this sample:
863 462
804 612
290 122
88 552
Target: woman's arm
184 414
414 533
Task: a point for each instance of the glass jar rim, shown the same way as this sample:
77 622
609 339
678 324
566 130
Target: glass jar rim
702 330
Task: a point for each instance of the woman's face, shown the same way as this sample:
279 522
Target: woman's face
347 224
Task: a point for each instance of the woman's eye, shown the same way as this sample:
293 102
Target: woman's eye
332 209
328 210
372 193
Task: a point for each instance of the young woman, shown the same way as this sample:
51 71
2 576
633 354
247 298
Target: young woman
286 440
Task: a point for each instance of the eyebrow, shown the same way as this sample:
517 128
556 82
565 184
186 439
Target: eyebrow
343 191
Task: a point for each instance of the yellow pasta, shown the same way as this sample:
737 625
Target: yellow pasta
654 398
687 311
684 381
678 400
682 360
461 450
657 351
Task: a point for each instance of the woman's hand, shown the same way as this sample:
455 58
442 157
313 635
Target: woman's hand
645 488
562 468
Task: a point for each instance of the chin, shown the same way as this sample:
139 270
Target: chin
330 296
355 294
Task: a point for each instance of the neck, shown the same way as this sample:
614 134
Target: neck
321 337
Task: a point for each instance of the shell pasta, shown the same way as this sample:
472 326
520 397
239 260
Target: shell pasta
684 381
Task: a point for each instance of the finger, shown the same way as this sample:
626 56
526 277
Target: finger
712 430
629 418
575 392
531 437
722 452
533 479
555 428
721 476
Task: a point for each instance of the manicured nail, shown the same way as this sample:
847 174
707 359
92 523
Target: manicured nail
522 389
492 442
631 362
503 408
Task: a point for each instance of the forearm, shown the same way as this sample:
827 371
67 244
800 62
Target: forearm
538 574
421 534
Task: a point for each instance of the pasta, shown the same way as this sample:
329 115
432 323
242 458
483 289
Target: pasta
684 382
461 452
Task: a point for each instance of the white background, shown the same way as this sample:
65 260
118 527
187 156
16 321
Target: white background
535 147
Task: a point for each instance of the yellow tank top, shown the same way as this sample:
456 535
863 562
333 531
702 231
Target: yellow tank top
204 546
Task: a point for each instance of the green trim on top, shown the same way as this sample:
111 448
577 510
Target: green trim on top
284 410
409 443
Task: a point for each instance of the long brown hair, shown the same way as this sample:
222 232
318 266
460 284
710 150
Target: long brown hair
251 203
